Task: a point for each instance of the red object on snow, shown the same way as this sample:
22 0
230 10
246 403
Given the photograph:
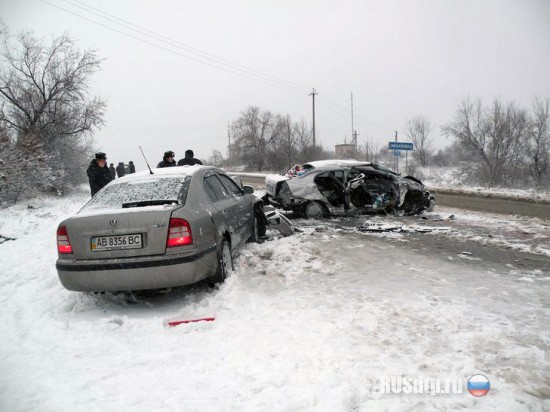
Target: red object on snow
179 322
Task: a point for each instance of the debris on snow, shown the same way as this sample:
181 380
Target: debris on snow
5 239
401 228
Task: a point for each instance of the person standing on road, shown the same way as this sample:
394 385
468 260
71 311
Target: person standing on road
120 169
189 159
98 173
112 171
167 160
131 167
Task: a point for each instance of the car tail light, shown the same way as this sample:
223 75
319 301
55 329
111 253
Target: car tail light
63 243
179 233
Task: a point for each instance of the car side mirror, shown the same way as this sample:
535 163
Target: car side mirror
248 190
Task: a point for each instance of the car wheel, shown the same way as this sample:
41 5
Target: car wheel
225 262
255 237
313 210
410 209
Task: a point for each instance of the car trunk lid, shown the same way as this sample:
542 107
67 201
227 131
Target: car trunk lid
118 233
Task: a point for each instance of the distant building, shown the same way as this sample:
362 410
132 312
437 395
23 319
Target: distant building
345 151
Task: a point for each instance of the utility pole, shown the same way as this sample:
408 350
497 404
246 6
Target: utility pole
229 144
352 128
353 131
313 94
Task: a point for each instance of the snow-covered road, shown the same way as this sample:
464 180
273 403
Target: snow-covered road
309 322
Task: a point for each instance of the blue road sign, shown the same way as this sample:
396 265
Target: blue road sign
397 153
401 146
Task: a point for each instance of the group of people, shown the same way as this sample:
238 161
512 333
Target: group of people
99 174
120 170
169 160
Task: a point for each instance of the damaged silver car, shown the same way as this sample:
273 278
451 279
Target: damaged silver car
333 187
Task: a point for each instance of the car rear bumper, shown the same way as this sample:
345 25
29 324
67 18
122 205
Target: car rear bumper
110 275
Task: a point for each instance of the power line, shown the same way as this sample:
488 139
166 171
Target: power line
345 113
168 129
168 44
191 49
266 81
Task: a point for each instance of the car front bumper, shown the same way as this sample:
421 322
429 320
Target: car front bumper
111 275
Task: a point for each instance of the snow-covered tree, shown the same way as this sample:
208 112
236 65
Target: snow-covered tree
46 113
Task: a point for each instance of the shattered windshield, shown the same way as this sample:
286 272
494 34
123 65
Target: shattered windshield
140 191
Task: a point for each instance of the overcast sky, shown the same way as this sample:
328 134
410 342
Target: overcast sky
398 58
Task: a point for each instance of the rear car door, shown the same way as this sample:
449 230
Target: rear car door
227 208
245 207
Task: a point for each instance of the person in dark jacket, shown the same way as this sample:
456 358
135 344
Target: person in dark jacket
120 169
98 173
131 167
167 160
189 159
112 171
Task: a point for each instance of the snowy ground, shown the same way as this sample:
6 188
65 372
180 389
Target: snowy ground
309 322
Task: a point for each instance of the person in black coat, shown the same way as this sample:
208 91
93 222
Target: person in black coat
131 167
113 171
98 173
167 160
189 159
120 169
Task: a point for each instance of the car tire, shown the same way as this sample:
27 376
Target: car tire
313 210
410 209
255 237
225 262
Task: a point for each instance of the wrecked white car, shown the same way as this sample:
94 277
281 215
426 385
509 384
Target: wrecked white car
333 187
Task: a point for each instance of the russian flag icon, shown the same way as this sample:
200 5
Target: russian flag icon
478 385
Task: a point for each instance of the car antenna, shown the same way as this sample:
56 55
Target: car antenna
146 162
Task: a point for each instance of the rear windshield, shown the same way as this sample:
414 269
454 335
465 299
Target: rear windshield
141 192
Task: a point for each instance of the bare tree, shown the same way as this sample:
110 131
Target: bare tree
418 131
304 136
370 150
44 88
289 140
45 108
267 141
254 132
496 135
216 159
538 149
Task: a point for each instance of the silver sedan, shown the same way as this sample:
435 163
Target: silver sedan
173 227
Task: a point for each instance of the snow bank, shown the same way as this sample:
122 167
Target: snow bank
452 179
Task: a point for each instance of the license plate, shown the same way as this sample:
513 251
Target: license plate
100 243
